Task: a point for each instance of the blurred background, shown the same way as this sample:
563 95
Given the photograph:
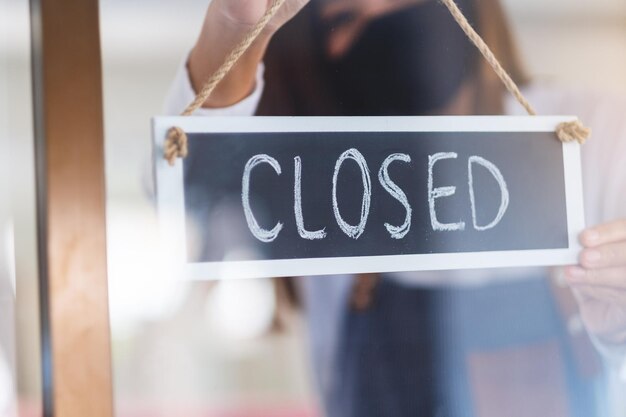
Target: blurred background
19 308
200 349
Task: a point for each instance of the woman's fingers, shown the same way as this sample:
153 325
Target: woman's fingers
335 8
606 277
605 233
349 18
609 255
344 36
246 13
370 9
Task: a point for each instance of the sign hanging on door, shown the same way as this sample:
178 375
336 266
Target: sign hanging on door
273 196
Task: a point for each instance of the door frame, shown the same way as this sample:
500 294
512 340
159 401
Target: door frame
71 215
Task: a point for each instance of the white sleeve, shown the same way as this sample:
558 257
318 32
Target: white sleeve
181 94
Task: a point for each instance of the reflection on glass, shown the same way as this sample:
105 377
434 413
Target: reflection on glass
447 343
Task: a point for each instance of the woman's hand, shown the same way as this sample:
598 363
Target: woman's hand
600 281
225 25
244 14
353 16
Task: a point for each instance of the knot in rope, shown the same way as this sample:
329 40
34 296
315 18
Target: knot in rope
573 131
175 145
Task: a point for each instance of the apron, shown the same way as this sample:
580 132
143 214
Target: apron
500 350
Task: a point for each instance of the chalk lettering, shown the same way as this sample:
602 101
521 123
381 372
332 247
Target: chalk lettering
262 234
435 193
353 231
396 232
297 204
504 192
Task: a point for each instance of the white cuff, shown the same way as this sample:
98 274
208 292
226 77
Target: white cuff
181 93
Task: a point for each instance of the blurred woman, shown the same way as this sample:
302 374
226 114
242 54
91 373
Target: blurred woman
462 343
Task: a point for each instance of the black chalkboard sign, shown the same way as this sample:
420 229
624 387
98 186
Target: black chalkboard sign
260 197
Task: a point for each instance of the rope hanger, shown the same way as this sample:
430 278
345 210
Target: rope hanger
175 145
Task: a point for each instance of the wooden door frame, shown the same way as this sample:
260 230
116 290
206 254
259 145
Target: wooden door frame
71 223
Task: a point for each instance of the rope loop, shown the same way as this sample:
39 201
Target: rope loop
573 131
176 142
175 145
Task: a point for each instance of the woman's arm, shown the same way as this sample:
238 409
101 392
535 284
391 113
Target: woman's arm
225 25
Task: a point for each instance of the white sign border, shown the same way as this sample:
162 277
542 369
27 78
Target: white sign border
171 210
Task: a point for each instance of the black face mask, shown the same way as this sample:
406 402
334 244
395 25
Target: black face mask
410 62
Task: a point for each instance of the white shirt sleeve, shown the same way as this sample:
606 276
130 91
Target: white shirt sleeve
181 94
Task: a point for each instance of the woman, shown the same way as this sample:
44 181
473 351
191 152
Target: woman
465 343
